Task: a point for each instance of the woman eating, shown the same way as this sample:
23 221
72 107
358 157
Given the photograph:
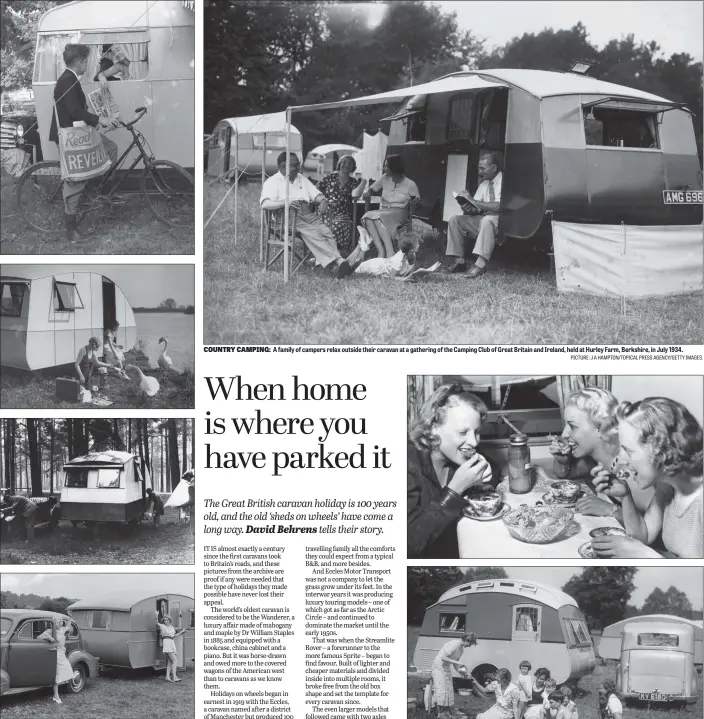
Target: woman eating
340 189
443 464
589 442
661 444
56 634
507 698
441 670
398 195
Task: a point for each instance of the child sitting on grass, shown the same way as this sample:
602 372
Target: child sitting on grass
555 708
568 703
399 265
610 706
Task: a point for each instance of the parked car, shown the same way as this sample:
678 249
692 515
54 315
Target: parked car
12 525
28 663
19 129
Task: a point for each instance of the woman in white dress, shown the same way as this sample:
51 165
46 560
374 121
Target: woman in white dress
57 635
448 657
507 697
168 646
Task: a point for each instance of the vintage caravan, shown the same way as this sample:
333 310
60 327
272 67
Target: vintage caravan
256 140
513 620
105 486
657 663
157 37
121 628
610 642
46 318
322 160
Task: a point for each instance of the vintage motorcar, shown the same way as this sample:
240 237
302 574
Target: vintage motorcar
28 663
12 525
19 128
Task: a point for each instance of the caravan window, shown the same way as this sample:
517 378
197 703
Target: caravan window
49 62
98 619
658 640
451 622
129 49
581 633
109 478
66 297
618 127
461 111
175 612
11 298
192 619
271 141
526 622
76 478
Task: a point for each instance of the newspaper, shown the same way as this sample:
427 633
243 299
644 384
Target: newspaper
103 103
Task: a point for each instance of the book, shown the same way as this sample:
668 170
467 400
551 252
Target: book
464 198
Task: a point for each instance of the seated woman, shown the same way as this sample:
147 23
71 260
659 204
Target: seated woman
442 464
590 444
87 361
507 697
398 195
340 189
661 443
400 265
534 706
114 65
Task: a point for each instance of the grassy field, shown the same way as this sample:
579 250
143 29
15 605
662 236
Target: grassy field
130 229
37 390
586 697
114 695
515 303
171 543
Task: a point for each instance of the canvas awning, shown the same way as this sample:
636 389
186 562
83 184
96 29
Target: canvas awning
452 83
270 122
127 36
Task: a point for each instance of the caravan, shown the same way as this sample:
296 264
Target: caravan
122 629
105 486
157 37
513 621
45 319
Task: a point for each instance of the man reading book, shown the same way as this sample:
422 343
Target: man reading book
479 220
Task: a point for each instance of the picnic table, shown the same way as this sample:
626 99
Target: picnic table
491 540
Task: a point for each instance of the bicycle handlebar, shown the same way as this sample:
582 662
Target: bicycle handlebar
142 112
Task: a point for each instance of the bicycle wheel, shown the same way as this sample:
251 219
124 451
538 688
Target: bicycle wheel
40 196
168 189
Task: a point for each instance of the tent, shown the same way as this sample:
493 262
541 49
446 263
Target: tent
554 169
610 644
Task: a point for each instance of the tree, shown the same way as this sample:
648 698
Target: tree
602 593
175 474
34 459
169 304
58 605
476 574
425 586
673 601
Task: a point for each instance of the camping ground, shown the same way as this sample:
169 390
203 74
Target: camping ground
113 695
586 699
515 303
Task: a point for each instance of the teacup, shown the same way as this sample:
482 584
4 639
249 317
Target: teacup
567 491
484 503
607 531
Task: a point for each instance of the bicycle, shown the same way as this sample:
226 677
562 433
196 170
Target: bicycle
166 186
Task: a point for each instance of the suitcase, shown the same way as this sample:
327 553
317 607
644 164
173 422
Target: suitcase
68 389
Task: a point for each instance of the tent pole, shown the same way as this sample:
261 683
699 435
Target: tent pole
237 189
286 202
261 212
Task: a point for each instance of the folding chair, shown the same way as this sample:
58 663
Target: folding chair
298 252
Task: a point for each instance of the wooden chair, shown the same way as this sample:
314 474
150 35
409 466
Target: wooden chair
298 252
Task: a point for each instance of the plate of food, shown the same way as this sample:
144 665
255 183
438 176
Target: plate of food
586 551
539 524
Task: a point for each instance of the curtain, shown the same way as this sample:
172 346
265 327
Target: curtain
136 53
569 383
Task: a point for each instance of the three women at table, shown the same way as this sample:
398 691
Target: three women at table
57 635
341 189
441 671
442 465
398 196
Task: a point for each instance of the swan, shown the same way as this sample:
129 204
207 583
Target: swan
148 385
164 361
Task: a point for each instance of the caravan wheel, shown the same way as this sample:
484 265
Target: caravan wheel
479 672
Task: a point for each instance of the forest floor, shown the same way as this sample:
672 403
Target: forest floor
20 389
115 694
171 543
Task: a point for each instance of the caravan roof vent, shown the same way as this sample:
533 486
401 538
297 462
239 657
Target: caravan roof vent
466 588
484 585
506 584
528 588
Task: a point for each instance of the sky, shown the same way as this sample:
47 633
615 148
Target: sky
145 285
689 580
675 26
93 585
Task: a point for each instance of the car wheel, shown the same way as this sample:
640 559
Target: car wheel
78 683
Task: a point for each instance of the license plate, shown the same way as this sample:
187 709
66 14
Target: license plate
654 696
682 197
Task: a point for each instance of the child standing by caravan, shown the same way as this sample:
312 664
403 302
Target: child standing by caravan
524 683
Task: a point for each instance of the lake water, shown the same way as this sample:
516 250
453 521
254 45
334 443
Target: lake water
178 328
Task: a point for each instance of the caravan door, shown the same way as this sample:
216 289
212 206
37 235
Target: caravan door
526 623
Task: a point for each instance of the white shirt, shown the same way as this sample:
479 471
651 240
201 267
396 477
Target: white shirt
301 189
614 706
482 193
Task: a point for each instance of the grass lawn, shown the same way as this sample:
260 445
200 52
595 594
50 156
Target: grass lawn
114 695
586 698
132 230
20 389
171 543
515 303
